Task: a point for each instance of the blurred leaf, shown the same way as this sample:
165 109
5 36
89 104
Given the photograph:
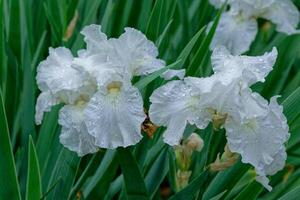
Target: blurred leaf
135 187
190 191
251 192
155 20
102 177
34 185
64 172
157 173
195 68
291 106
292 195
225 180
9 186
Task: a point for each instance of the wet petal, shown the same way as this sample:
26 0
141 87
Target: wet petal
44 103
174 105
172 73
259 139
136 52
95 39
74 135
56 74
284 14
235 33
251 69
114 118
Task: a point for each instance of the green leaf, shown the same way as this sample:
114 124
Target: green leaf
155 20
64 172
148 79
251 192
190 191
134 182
291 106
9 186
292 195
219 196
34 185
225 180
102 177
157 173
47 134
195 68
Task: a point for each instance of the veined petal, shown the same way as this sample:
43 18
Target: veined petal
114 117
74 135
56 74
174 105
235 33
44 103
284 14
259 139
172 73
136 52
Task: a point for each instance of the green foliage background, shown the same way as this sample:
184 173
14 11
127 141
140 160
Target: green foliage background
34 165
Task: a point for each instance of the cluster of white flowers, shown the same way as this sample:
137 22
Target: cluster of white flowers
238 26
255 129
102 109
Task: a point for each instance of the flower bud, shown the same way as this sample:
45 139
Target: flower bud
227 160
194 142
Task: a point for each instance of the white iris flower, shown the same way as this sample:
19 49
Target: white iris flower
102 108
255 129
238 27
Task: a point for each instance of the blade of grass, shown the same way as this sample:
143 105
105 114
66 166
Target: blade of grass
135 187
34 186
9 186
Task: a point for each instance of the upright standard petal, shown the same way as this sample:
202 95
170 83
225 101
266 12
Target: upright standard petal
284 14
174 105
95 40
44 103
249 68
74 134
234 32
136 52
114 117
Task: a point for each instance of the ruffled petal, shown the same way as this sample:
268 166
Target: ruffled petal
115 118
44 103
276 165
259 139
74 135
172 73
284 14
56 74
235 33
174 105
95 40
99 70
251 69
136 52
